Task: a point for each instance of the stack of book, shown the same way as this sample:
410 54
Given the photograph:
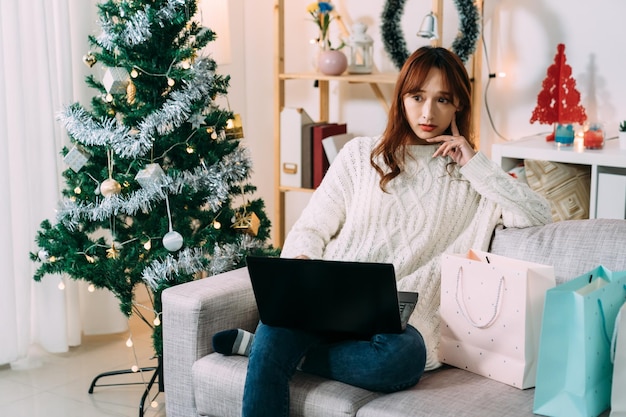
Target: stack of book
307 148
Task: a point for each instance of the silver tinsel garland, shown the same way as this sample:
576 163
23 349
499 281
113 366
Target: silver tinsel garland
133 143
217 179
136 28
177 109
190 261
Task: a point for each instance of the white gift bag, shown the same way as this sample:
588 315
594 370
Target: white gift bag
491 311
618 389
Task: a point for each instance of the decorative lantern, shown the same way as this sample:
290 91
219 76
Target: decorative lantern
361 50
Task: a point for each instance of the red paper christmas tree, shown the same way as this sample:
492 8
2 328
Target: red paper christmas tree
559 101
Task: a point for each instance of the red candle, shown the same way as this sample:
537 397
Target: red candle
594 138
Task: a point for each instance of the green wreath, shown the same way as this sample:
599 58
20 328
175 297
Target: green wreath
393 38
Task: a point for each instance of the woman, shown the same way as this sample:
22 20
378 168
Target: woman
405 198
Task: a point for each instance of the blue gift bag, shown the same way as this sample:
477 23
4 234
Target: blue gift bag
574 368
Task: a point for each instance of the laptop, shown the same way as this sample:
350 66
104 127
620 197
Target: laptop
338 298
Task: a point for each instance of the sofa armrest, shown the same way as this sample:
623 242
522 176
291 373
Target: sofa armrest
192 313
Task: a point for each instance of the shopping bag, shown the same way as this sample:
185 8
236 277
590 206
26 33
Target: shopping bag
574 369
618 351
491 309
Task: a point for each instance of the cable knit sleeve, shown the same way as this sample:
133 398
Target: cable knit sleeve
325 213
520 206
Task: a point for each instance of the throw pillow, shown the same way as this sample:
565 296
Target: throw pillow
565 186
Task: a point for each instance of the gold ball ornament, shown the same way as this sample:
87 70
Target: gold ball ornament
110 187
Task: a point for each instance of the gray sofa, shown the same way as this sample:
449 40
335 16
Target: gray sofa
199 382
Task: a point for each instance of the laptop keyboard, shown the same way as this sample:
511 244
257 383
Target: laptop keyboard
405 312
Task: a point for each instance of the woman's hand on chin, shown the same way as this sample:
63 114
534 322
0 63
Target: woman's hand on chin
455 146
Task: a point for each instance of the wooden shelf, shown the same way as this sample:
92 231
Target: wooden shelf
379 78
282 78
284 189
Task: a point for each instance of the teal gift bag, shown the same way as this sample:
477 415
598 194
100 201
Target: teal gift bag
574 368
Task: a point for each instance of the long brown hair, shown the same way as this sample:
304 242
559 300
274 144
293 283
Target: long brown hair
398 132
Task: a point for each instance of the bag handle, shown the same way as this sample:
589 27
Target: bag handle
618 320
463 309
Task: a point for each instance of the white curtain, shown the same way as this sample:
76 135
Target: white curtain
41 45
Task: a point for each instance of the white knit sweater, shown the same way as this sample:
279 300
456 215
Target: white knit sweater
426 212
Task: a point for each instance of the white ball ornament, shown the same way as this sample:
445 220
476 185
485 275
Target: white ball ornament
172 241
43 255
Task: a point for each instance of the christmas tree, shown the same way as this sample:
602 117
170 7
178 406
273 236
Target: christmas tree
157 186
559 100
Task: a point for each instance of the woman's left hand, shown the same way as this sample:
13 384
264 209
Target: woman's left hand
455 146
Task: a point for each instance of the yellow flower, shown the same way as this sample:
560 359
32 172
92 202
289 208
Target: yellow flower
312 8
320 11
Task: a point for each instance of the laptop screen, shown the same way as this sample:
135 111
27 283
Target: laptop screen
356 298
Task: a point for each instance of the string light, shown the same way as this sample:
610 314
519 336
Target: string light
91 288
129 341
491 76
134 73
157 321
61 285
134 368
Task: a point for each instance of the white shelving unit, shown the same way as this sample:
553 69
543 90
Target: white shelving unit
608 168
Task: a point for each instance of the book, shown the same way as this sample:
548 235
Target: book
307 159
333 144
295 148
319 160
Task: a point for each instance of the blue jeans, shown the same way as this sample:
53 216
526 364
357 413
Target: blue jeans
385 363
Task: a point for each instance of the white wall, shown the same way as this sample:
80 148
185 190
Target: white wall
521 38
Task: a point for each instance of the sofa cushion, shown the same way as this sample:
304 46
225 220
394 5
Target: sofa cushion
218 387
565 186
573 247
453 392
